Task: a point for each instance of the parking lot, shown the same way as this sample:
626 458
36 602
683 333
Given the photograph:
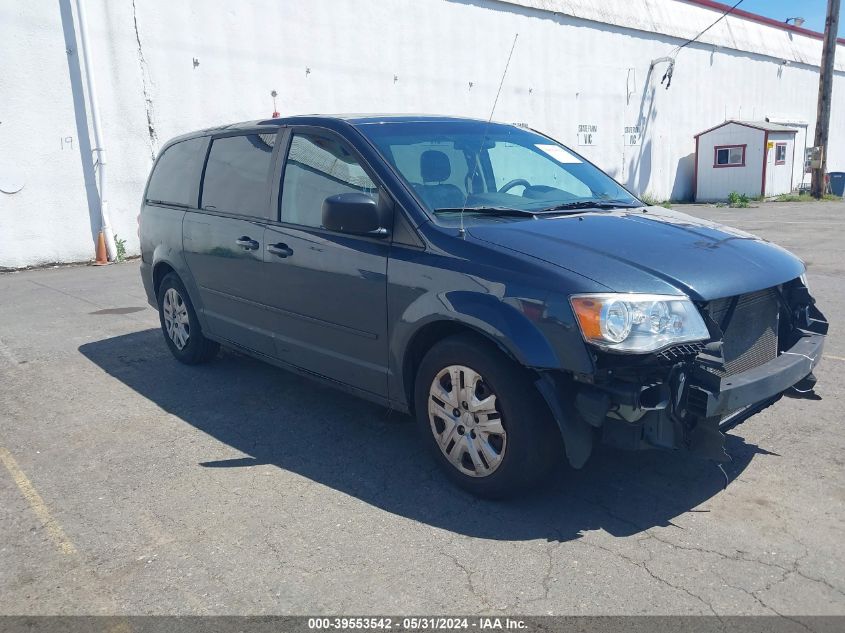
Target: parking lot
134 485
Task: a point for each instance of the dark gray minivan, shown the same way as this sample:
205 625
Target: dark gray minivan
519 302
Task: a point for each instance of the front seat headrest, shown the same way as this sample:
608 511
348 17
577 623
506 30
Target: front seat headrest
434 166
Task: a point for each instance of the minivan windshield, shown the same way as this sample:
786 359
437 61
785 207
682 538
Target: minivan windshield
492 169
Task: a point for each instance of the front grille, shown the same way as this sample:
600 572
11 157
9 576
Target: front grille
751 334
681 351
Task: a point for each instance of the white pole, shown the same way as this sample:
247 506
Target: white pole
99 150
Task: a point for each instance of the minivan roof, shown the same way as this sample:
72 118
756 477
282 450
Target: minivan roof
364 119
318 119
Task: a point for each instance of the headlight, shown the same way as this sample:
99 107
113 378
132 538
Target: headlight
637 323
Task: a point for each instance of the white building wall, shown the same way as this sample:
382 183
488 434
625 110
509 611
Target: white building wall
779 178
715 183
44 190
576 63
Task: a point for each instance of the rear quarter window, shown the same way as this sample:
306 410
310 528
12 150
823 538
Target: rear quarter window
175 177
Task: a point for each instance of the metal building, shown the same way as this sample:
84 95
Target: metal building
592 74
755 158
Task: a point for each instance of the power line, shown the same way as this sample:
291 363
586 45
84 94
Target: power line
721 17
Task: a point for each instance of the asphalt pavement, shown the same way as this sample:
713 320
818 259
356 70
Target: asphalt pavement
131 484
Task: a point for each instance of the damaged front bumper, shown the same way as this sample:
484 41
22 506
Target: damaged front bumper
711 396
682 405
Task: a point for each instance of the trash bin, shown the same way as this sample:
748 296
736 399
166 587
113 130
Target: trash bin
837 182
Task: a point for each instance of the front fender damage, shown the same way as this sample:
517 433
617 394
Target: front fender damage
763 345
581 412
576 432
687 408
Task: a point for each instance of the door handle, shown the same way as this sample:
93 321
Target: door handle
280 250
247 243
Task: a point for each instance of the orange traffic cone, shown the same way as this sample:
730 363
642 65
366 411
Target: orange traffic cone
102 258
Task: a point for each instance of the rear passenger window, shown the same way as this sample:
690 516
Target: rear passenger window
175 179
236 174
318 167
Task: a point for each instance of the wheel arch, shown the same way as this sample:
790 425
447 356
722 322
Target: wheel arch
165 264
160 271
483 316
426 337
576 434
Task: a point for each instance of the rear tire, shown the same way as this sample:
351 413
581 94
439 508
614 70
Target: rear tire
494 435
179 324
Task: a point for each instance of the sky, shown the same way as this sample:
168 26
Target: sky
813 11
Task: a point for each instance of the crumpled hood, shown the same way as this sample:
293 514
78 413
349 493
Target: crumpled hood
657 251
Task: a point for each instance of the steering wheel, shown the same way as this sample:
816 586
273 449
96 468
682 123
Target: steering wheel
514 183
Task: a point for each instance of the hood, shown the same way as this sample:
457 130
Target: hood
656 251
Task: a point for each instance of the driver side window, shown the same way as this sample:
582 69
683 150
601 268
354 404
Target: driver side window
511 161
317 167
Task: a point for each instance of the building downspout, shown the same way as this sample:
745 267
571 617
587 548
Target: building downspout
99 149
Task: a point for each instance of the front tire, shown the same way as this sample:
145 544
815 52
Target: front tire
180 325
484 420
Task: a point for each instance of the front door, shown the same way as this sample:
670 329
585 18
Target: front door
224 241
326 290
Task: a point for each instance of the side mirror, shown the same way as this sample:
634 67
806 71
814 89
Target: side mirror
354 213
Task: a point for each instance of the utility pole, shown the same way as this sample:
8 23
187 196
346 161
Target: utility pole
831 27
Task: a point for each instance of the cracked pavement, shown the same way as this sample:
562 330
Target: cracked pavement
237 488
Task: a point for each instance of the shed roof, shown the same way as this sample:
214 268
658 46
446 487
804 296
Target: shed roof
760 125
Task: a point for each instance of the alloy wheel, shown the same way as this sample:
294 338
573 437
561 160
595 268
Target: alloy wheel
176 320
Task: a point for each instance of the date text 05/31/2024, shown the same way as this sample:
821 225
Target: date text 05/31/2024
415 623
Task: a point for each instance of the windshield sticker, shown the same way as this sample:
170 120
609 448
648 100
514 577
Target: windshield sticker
559 154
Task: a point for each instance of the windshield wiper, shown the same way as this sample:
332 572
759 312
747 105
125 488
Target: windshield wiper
487 210
589 204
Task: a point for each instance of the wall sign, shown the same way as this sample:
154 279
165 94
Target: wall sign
632 135
588 134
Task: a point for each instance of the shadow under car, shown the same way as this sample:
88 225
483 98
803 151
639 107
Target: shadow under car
276 417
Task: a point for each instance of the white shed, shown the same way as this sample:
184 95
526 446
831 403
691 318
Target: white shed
749 157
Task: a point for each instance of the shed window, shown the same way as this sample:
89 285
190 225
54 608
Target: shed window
729 156
780 154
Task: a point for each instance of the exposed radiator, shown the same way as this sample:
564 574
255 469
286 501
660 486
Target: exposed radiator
751 336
